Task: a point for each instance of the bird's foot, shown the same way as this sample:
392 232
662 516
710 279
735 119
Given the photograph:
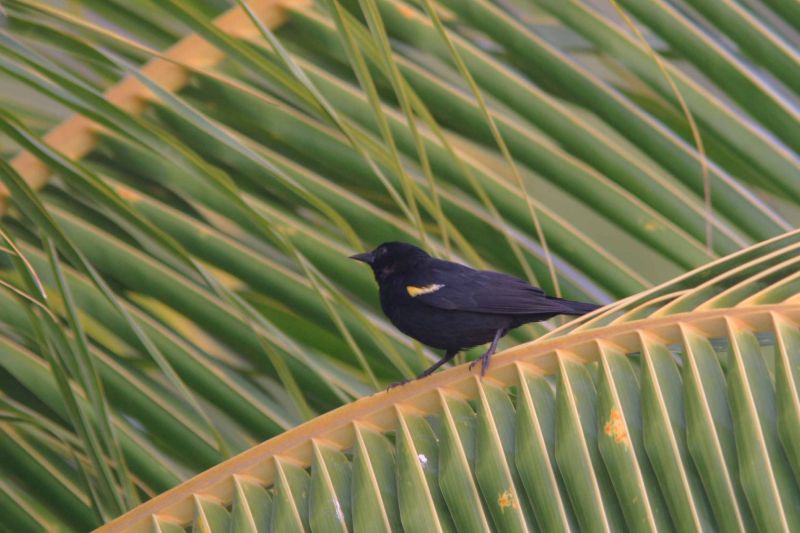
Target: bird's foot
484 361
397 384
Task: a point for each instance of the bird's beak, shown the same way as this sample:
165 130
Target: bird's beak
366 257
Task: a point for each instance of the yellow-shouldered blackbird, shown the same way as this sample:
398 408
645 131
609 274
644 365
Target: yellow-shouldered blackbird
450 306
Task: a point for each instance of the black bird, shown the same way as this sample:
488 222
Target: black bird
450 306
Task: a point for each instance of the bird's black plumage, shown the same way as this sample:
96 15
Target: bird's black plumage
450 306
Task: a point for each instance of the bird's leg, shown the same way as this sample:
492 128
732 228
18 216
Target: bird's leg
447 356
484 359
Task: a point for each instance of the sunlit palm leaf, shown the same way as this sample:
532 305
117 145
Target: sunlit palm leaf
175 284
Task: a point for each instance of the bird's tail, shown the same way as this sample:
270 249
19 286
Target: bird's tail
575 308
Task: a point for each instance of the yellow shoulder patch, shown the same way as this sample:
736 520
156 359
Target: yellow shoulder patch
427 289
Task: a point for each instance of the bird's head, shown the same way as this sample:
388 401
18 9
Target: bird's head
391 258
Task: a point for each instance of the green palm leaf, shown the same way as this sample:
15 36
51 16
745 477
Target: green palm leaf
182 183
661 422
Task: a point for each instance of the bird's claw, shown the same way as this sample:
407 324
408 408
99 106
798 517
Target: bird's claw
397 384
484 361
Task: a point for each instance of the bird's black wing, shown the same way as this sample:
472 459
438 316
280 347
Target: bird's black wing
452 286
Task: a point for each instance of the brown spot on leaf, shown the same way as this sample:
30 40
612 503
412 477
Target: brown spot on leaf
506 500
615 427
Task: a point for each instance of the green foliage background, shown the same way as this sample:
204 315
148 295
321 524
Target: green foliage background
183 292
